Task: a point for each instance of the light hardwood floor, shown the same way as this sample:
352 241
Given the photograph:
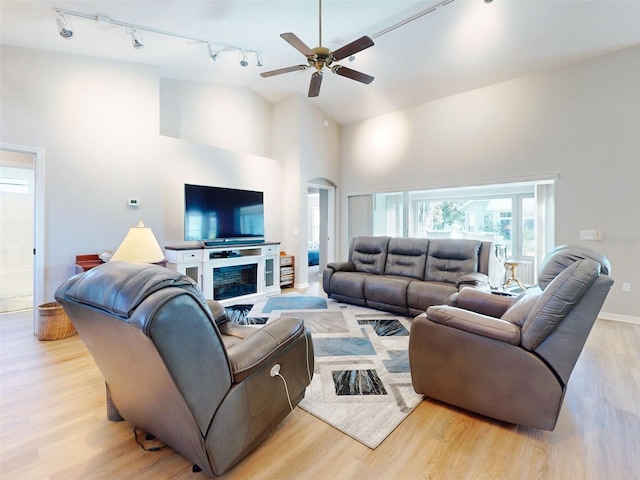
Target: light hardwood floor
54 426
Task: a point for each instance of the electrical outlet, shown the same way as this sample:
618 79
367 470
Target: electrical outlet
626 287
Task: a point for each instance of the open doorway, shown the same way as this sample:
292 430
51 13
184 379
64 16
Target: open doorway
321 221
16 227
22 237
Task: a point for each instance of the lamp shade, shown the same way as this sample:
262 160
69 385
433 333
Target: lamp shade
139 246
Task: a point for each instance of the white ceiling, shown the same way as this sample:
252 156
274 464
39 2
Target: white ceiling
461 46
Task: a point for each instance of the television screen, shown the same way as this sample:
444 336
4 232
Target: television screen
217 215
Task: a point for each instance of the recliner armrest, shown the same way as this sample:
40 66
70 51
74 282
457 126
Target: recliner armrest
254 351
475 323
483 302
475 279
218 311
342 266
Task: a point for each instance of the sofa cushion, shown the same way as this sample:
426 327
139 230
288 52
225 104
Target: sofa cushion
423 294
349 284
369 254
407 257
387 290
448 259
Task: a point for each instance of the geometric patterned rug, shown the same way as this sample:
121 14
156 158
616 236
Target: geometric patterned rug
361 383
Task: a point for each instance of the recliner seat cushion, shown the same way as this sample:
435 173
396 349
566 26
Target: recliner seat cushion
349 284
423 294
387 290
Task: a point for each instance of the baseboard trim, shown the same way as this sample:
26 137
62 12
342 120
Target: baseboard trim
616 317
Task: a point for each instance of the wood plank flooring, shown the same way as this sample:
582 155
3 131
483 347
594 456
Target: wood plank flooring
53 426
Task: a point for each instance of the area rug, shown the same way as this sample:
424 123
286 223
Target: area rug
361 383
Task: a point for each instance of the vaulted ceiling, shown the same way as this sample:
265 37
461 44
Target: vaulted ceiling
462 45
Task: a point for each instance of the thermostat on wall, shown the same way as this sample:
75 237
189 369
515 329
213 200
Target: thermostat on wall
133 202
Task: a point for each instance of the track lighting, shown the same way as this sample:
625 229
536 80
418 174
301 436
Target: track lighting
64 26
136 38
244 61
213 55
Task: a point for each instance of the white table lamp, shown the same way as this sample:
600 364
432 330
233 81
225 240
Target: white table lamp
139 246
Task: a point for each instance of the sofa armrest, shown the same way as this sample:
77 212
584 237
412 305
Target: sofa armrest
474 279
254 351
482 302
342 266
475 323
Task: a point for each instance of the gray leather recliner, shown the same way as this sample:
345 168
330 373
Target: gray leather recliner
176 367
511 359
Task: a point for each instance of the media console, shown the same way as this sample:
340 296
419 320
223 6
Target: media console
230 273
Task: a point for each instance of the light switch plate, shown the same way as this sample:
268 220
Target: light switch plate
590 234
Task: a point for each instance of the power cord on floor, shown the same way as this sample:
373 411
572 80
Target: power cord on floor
149 436
275 372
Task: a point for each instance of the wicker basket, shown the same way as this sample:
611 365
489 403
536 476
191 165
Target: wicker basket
54 323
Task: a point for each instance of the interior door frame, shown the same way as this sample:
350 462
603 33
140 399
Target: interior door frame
38 223
327 244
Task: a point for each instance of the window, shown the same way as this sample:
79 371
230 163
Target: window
517 218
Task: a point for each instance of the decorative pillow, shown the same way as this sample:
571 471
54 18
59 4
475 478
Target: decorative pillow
517 313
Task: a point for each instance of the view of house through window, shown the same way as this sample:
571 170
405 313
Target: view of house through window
502 214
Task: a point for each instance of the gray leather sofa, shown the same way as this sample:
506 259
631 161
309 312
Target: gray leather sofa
176 367
511 359
408 275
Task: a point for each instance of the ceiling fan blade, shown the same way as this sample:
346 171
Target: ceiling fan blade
298 44
352 48
280 71
314 86
352 74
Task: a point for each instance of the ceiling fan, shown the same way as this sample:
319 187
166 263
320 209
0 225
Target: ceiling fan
321 57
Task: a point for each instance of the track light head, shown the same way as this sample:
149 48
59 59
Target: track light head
64 26
136 38
259 59
244 61
213 55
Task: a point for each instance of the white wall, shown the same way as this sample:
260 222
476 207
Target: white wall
218 115
308 150
581 122
98 122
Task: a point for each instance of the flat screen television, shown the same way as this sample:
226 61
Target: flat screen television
215 215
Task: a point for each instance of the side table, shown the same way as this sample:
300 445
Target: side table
512 268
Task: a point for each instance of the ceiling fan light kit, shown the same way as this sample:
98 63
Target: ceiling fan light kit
321 57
